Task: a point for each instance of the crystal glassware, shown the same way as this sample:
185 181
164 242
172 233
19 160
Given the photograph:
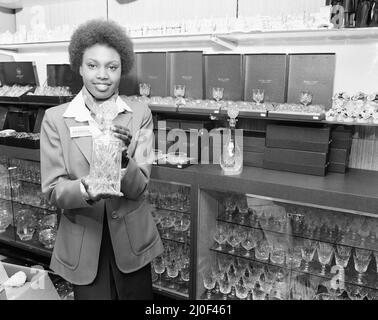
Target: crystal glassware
167 222
182 225
325 251
47 237
234 239
105 168
305 98
144 89
248 243
258 95
263 249
257 293
5 219
209 281
308 251
217 93
361 262
26 224
179 93
277 256
225 286
241 290
342 255
294 257
159 267
220 236
376 259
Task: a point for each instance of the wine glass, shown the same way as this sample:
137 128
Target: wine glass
144 89
179 93
361 262
262 250
248 243
305 98
279 248
308 251
220 235
342 255
242 206
258 95
225 286
257 293
167 221
217 93
26 224
172 272
209 281
159 267
294 256
5 219
325 251
241 290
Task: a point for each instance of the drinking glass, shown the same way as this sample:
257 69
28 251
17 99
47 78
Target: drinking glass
242 208
179 93
248 243
5 219
308 251
262 250
241 290
209 281
172 272
159 267
325 251
234 239
305 98
26 224
376 259
342 255
279 248
144 89
258 95
257 293
167 222
294 257
220 235
225 286
217 93
361 262
232 277
229 206
47 237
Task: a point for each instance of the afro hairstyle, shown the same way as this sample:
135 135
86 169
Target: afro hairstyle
104 32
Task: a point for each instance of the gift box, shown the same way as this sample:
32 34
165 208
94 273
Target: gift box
314 73
267 72
152 69
314 139
224 71
253 159
185 68
38 285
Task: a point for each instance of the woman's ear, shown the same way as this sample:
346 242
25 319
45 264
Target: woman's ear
81 70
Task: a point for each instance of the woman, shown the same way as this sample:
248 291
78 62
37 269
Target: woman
105 241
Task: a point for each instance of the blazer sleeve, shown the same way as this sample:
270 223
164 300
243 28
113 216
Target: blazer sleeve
61 191
134 182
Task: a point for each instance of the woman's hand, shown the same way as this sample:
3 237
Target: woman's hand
96 196
125 136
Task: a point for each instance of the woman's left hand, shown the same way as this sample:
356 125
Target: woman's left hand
123 134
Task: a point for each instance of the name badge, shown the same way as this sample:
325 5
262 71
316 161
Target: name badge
80 131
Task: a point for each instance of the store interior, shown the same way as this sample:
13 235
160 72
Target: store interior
297 220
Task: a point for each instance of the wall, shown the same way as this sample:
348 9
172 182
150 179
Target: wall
7 20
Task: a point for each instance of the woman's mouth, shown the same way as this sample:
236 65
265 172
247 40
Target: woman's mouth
102 86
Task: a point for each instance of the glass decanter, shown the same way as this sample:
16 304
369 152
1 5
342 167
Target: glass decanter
231 160
105 168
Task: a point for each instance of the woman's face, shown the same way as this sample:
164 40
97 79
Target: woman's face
101 70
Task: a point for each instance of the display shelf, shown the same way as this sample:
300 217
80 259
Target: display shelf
20 153
300 236
172 293
314 270
223 41
29 205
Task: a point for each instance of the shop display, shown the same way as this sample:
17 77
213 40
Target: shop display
266 249
14 91
172 215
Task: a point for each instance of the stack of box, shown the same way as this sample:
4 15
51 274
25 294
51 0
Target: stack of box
339 151
297 149
253 150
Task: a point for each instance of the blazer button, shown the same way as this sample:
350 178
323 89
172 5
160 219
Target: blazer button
114 215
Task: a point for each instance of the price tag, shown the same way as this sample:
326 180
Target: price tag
316 118
263 114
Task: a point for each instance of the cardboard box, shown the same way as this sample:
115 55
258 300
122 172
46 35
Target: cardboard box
296 157
314 139
314 73
37 287
267 72
185 68
253 159
224 71
152 69
337 167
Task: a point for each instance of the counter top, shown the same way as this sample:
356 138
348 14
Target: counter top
355 191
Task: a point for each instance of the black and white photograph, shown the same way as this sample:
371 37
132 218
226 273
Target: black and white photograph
190 155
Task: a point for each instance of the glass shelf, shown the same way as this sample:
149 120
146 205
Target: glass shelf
314 270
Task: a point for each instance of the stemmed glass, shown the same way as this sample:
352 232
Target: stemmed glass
263 249
308 251
225 286
209 281
217 93
144 90
279 248
159 267
242 208
361 262
179 93
5 219
342 255
220 235
241 289
230 206
172 271
325 251
258 95
181 225
234 238
294 256
167 221
248 243
305 98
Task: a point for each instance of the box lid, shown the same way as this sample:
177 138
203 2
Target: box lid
22 73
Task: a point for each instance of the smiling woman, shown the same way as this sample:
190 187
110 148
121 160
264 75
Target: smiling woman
100 233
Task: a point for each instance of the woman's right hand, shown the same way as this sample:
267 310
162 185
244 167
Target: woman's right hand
96 196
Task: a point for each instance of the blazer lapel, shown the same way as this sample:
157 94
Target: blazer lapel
84 143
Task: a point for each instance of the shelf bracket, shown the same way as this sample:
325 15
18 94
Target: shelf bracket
223 43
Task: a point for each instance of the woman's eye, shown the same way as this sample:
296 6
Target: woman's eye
113 68
91 66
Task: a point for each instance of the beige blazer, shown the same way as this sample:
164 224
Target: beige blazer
64 160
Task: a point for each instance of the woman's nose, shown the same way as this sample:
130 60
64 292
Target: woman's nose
102 73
